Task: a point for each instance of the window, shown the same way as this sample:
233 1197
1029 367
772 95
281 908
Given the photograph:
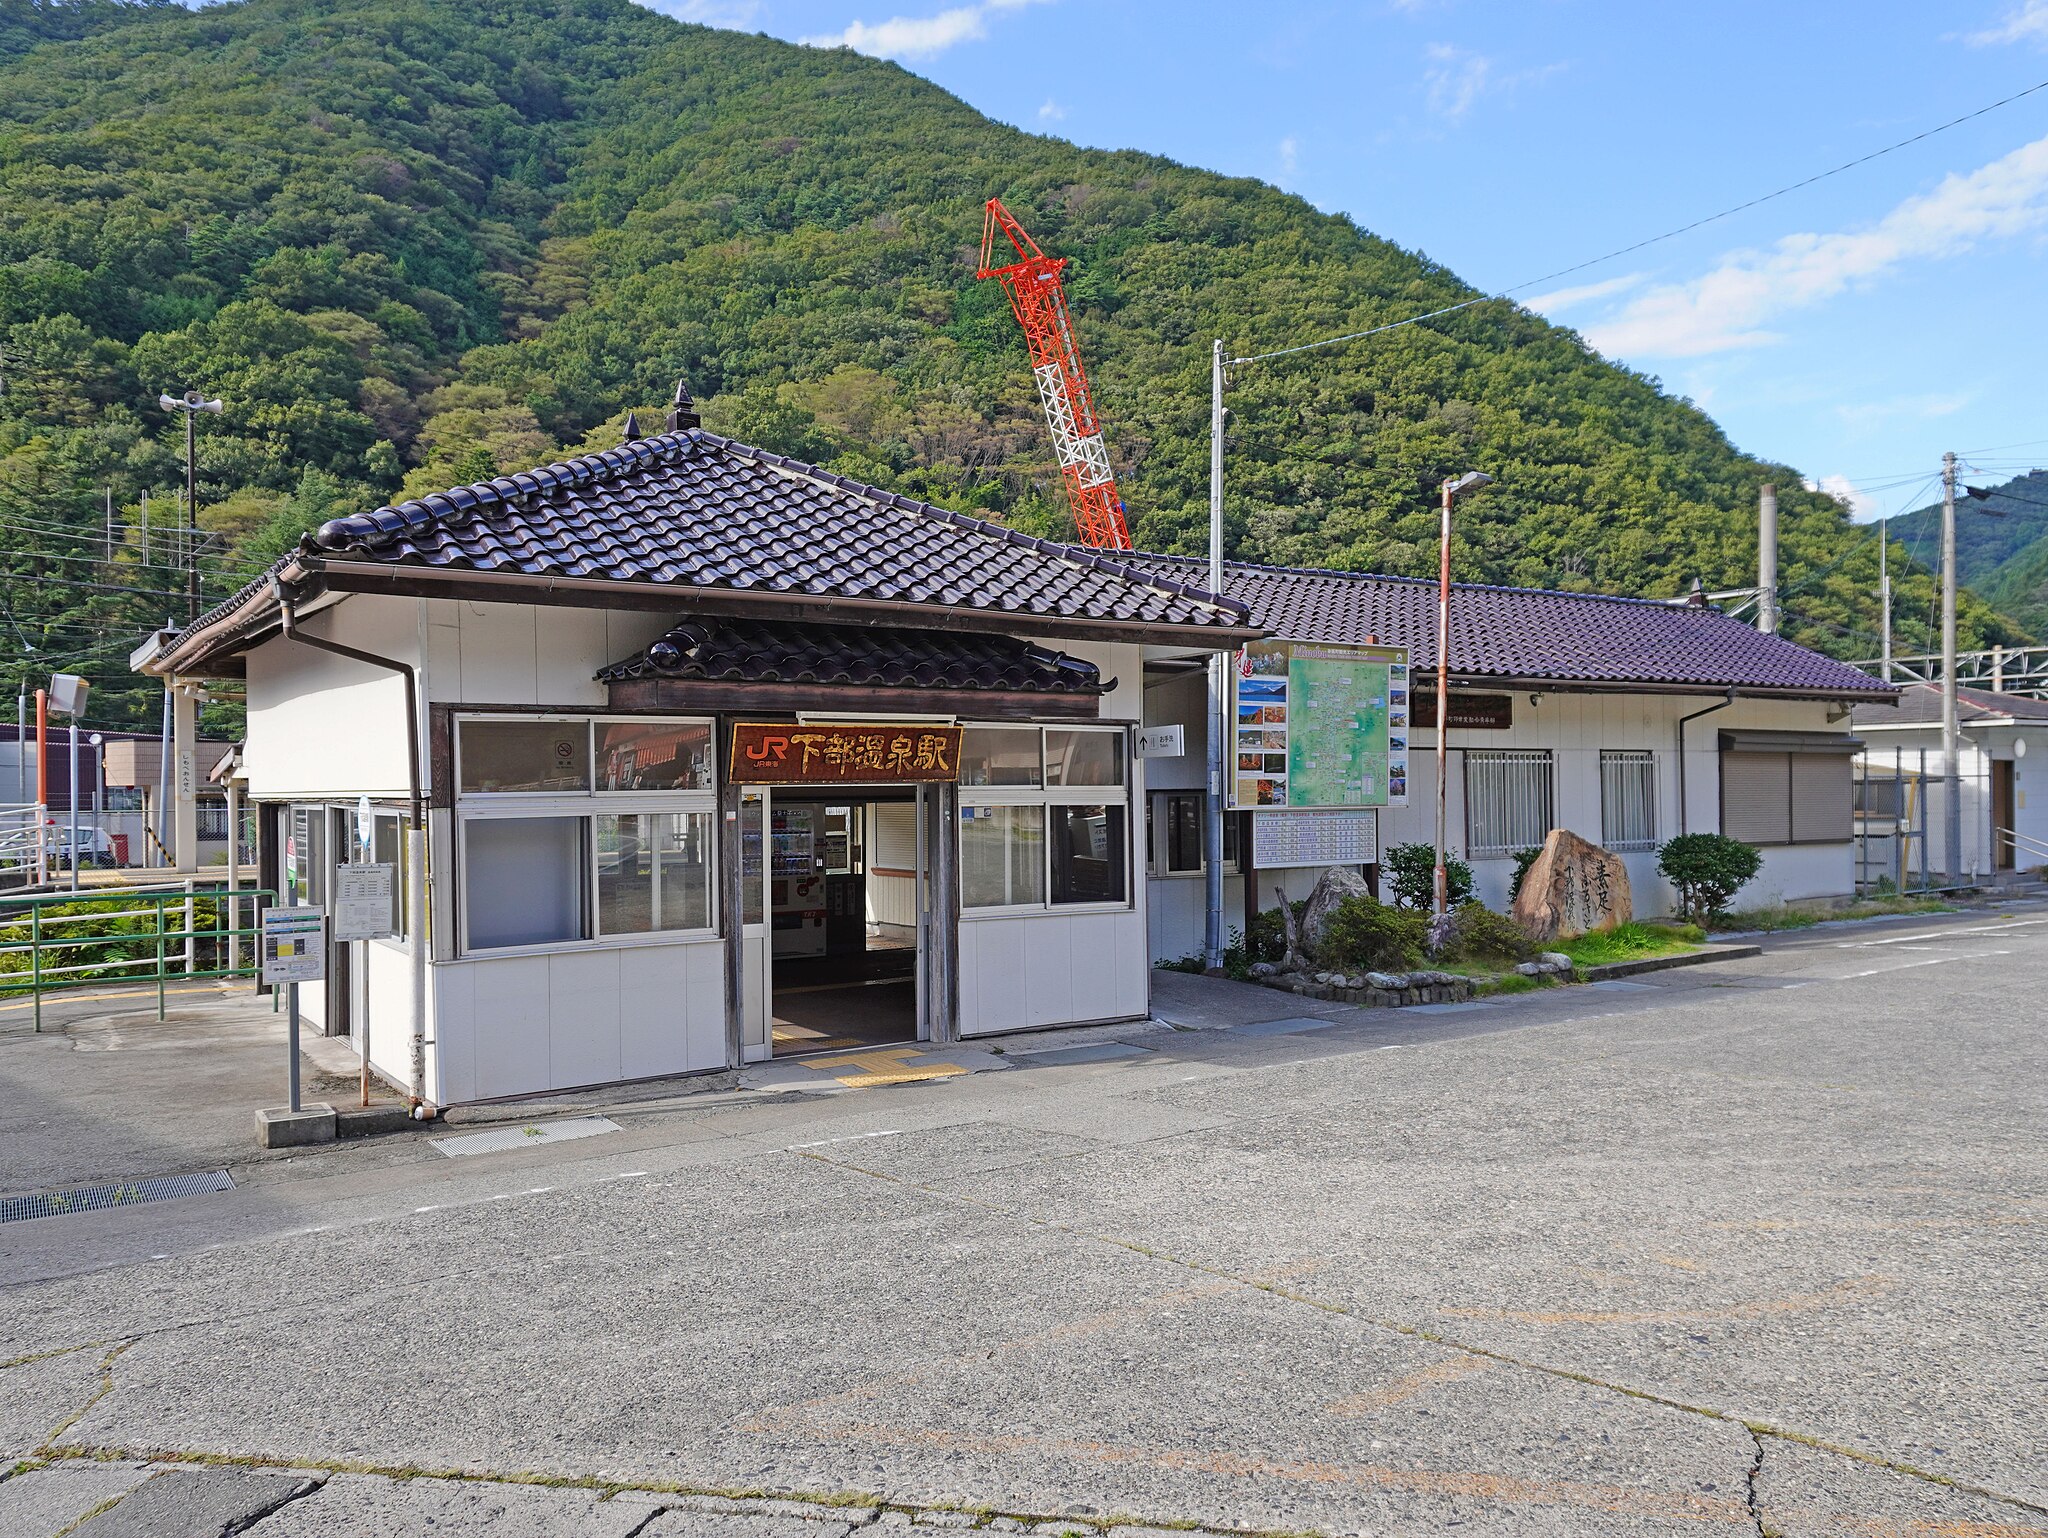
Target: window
554 851
991 755
522 880
525 756
1044 817
387 847
1628 799
1176 833
1787 787
653 872
1088 852
1002 856
1507 800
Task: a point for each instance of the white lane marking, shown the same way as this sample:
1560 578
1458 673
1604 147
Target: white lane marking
1932 961
828 1142
430 1207
627 1175
1975 929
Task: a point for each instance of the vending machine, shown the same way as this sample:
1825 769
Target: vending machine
796 882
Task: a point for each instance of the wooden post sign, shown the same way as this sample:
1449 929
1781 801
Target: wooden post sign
825 753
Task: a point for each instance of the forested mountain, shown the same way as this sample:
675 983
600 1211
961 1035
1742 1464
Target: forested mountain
416 242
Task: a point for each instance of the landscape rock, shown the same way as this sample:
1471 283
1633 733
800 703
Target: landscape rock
1574 887
1557 961
1532 969
1334 885
1263 969
1387 980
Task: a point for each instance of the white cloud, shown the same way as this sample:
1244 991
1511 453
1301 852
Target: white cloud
918 37
2024 22
1731 306
708 13
1052 112
1455 79
1584 293
1874 413
1860 503
1290 155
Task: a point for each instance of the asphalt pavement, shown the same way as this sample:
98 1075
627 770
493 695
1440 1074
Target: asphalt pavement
1749 1248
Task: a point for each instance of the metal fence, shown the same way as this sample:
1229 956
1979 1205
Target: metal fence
52 942
1901 804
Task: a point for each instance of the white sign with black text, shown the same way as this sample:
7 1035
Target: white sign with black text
363 909
1291 839
1162 742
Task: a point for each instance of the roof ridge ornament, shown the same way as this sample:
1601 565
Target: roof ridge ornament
682 412
631 432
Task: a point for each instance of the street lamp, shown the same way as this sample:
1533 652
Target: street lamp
191 403
1471 480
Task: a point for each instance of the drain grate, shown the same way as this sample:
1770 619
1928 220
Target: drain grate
126 1193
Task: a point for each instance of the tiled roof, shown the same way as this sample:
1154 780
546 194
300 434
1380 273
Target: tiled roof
695 510
1920 705
771 652
1530 633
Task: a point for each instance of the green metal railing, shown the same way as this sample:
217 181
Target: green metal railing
155 936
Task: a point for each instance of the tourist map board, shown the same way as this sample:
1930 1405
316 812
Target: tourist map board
1319 726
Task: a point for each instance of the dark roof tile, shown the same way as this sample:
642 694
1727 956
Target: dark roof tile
1530 633
756 651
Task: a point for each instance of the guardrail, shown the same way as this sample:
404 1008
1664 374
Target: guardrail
186 932
23 856
2023 843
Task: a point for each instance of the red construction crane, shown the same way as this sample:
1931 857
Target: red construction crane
1040 302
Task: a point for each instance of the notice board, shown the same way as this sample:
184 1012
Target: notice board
1319 726
1284 839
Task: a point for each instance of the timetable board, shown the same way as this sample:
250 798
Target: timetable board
1283 839
1317 726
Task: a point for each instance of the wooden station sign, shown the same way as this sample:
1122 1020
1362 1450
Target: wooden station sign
1483 712
854 753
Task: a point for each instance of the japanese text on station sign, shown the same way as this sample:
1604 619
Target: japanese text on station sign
843 754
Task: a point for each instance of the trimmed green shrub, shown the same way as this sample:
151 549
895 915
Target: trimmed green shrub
1363 935
1478 934
1411 876
1707 869
1524 858
1268 938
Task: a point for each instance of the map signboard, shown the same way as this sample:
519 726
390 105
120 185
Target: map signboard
294 945
1319 726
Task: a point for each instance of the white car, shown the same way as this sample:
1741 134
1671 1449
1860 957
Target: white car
95 847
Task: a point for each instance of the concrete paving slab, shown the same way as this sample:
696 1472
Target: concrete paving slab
1802 1492
1292 1026
697 1524
36 1397
1101 1052
525 1135
364 1506
1194 1002
197 1503
45 1502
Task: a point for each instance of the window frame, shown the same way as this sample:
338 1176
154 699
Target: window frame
1644 759
586 805
1047 797
1474 850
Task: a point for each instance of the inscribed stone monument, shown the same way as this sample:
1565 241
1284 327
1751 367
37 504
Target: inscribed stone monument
1574 887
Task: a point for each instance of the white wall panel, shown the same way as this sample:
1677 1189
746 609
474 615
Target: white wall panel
498 659
321 725
453 992
1020 973
511 1025
583 1018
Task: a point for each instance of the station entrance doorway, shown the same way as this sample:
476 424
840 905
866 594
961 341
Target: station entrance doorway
846 899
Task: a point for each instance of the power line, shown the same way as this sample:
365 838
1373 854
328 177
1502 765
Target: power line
1683 229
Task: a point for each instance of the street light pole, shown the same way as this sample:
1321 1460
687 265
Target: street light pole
191 403
1951 725
1219 692
1453 489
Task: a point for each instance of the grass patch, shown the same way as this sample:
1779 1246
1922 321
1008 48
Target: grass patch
1509 982
1631 942
1778 919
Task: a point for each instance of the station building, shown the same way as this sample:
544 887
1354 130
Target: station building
692 755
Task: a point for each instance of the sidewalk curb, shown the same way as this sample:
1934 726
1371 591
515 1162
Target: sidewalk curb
1615 969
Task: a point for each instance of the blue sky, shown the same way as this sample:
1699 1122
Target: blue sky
1854 329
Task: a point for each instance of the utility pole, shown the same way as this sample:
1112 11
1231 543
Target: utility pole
1951 724
1219 691
191 403
1767 560
1884 596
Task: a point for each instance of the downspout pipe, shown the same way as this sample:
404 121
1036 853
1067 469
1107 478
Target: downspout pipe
1684 811
288 623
